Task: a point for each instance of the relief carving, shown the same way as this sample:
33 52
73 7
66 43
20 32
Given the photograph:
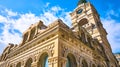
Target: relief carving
53 60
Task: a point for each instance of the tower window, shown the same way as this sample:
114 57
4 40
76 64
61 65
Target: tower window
83 22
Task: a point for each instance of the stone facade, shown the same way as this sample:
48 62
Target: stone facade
57 45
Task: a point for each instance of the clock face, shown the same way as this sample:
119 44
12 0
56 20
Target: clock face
79 11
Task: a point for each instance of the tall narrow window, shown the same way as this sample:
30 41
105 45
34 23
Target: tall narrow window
46 61
43 61
71 62
68 64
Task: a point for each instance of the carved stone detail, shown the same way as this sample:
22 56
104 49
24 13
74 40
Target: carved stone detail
52 60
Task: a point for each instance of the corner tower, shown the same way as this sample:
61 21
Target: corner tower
86 16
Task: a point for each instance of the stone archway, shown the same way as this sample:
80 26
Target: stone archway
71 61
29 62
43 60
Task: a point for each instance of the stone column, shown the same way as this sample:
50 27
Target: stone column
62 62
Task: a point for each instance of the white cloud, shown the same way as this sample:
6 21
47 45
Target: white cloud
2 19
47 4
51 15
66 18
113 29
24 21
112 13
10 13
56 9
48 17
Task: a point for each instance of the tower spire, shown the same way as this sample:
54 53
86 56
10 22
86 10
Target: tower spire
81 1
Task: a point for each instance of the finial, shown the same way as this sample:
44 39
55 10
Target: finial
82 1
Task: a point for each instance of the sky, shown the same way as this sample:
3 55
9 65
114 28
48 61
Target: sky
17 15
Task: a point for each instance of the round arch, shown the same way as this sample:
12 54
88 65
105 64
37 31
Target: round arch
83 22
43 60
71 61
28 62
18 64
43 52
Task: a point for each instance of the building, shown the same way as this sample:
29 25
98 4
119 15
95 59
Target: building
57 45
117 55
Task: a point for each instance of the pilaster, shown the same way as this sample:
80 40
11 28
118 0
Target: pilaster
62 62
53 61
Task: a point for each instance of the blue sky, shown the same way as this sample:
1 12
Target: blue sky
17 15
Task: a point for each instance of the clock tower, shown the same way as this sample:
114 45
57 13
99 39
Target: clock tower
86 16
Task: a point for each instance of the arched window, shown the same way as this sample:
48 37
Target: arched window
83 22
68 64
43 61
29 62
46 61
84 63
18 64
71 62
